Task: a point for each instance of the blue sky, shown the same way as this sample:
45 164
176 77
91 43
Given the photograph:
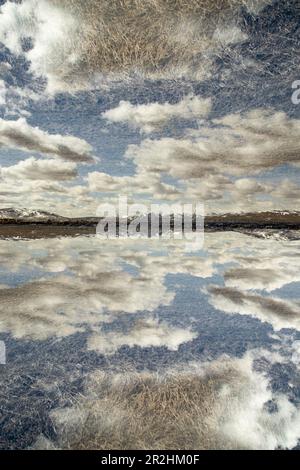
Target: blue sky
242 63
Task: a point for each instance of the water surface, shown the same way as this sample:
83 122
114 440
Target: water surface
83 318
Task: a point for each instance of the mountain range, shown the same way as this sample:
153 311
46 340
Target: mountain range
261 219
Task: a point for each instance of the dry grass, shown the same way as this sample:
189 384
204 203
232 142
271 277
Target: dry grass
153 36
220 404
147 412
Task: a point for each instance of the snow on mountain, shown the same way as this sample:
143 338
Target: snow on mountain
26 214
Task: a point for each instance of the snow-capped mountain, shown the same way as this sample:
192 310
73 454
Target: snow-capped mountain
252 220
26 214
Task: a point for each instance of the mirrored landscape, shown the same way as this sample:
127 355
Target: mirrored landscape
185 113
133 343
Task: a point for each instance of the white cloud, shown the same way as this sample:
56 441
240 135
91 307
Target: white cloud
59 307
153 116
53 31
239 145
221 163
246 186
20 135
74 42
245 420
90 285
278 312
35 169
216 405
147 333
267 266
139 183
287 190
97 290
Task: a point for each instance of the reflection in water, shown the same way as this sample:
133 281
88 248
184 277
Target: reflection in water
83 315
219 405
281 314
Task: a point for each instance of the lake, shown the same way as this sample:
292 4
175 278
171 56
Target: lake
133 343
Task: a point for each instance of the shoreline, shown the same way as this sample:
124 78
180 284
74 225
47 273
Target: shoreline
39 231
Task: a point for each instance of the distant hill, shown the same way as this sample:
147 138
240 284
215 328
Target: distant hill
271 219
25 217
218 222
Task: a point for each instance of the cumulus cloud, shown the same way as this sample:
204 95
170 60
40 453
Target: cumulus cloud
266 276
272 136
265 265
35 169
74 44
73 41
153 116
217 405
142 183
287 190
93 287
259 264
255 277
97 290
246 186
145 334
222 162
280 313
83 284
52 31
238 145
20 135
44 308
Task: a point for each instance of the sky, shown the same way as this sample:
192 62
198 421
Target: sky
158 100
